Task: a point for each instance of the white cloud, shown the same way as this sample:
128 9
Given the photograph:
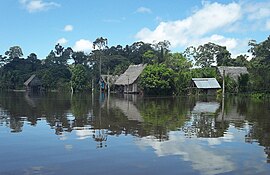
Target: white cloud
83 45
199 28
68 28
84 134
38 5
143 10
210 18
230 43
257 11
267 25
62 41
193 151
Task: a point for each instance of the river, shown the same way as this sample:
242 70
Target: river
58 133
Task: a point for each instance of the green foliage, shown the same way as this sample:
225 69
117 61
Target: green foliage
55 77
178 62
149 57
205 55
231 85
79 58
14 52
79 78
161 115
243 83
157 79
260 66
257 95
181 67
206 72
182 82
170 73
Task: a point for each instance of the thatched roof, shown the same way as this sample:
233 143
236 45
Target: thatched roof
34 79
130 75
128 108
206 83
232 72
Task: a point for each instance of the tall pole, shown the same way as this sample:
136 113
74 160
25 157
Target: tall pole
223 84
99 72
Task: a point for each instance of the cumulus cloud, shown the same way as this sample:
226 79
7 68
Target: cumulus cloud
38 5
68 28
143 10
62 41
267 25
230 43
257 11
208 19
83 45
193 151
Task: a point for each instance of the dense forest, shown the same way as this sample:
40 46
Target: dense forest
166 72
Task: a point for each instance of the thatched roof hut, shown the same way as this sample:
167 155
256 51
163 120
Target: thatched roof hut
232 72
128 108
129 78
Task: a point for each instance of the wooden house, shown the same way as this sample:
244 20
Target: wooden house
232 72
33 84
128 81
207 86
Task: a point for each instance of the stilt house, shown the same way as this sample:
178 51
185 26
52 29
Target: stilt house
33 84
128 81
232 72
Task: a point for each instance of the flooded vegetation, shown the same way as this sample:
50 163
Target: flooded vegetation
88 134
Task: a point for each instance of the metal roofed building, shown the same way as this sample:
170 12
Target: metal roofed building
207 86
129 79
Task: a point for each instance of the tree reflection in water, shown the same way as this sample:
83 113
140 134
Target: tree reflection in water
92 116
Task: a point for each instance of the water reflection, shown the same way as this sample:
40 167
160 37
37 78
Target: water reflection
194 129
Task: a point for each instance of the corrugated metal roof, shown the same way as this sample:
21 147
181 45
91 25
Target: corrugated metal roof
130 75
206 83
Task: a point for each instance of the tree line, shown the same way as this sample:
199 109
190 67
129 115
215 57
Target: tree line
166 72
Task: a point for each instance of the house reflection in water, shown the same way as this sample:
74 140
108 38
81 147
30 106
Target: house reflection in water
203 121
127 107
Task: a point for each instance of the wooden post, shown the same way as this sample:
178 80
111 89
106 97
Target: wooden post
92 85
223 84
99 72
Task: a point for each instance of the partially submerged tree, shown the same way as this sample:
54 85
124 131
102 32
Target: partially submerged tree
78 78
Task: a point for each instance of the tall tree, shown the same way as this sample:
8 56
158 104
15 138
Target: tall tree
157 79
205 55
100 44
79 78
260 65
163 48
14 52
79 57
2 60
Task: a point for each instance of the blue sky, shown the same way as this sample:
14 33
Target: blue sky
37 25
